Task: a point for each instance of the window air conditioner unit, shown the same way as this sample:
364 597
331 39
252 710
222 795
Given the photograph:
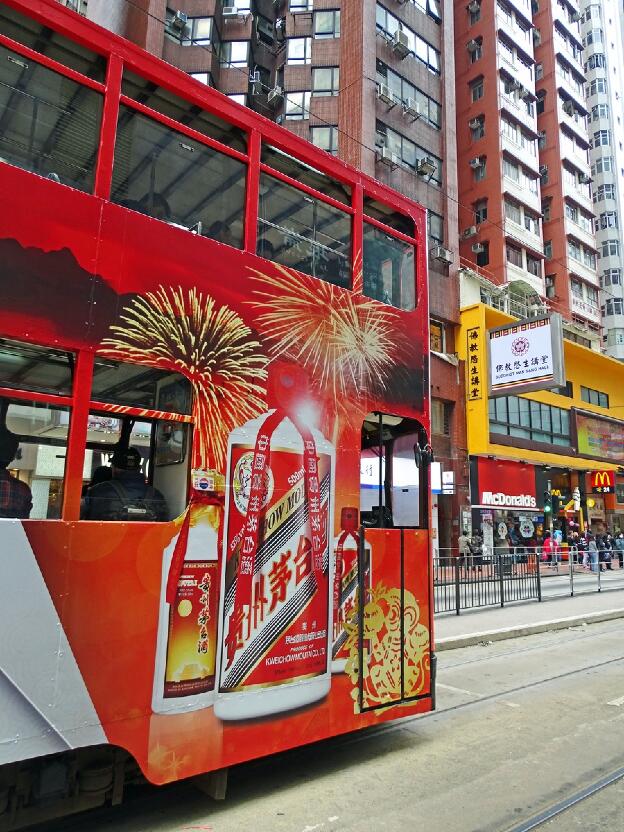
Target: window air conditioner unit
230 13
179 21
568 108
477 248
275 95
426 167
475 123
255 82
386 157
476 162
525 94
410 108
469 232
265 27
584 179
400 44
384 94
474 6
541 134
543 170
575 17
444 255
472 45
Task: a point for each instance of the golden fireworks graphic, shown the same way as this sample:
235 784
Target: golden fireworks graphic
346 342
386 654
184 331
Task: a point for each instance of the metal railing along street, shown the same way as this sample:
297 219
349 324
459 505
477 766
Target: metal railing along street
523 573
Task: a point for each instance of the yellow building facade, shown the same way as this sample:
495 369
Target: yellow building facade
562 442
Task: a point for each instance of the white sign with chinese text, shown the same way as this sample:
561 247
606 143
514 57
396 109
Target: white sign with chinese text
527 355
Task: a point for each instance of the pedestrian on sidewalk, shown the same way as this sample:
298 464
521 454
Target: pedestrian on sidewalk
619 548
593 553
463 544
547 548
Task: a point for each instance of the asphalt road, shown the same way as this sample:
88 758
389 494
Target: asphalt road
521 726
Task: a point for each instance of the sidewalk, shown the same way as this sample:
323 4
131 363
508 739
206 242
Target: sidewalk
525 618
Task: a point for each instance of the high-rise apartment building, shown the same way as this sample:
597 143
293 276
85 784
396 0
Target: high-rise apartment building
527 218
371 81
602 26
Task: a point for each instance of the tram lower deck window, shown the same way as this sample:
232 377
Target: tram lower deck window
389 269
392 482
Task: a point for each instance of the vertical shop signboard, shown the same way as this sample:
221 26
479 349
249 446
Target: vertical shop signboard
474 364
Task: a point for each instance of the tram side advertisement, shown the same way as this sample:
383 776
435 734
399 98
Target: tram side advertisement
232 631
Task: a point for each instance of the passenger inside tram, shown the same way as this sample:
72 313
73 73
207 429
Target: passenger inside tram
15 495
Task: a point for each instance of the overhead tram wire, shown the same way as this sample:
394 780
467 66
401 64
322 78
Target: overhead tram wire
438 189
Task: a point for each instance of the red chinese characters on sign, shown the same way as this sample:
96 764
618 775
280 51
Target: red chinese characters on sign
603 482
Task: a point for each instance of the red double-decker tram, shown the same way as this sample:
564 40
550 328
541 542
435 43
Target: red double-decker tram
214 426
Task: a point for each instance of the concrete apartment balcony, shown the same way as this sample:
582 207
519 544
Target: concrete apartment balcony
521 73
575 123
524 237
575 92
520 153
562 15
519 276
516 107
524 7
579 159
563 48
587 310
524 40
579 233
522 194
581 197
586 273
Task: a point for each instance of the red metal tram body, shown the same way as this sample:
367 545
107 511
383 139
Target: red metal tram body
181 275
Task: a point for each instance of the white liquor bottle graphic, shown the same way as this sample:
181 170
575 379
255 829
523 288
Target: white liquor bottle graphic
186 650
346 599
276 588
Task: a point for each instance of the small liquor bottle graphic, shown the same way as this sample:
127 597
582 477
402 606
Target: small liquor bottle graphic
277 573
346 583
184 677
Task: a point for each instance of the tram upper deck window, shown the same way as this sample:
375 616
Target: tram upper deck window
39 463
166 175
306 174
28 367
389 270
157 98
50 125
136 385
304 233
30 33
389 216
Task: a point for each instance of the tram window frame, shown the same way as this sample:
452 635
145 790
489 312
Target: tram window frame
383 431
396 290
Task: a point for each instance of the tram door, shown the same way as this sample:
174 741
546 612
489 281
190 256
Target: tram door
394 620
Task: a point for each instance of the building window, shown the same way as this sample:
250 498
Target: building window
479 173
238 97
475 16
203 78
610 248
196 32
611 277
483 257
527 419
514 256
594 397
428 108
477 128
300 5
435 227
476 89
534 266
480 211
476 50
234 53
327 24
608 219
604 192
546 208
299 50
548 249
437 336
440 417
602 138
406 150
326 80
421 49
298 105
539 71
326 138
513 212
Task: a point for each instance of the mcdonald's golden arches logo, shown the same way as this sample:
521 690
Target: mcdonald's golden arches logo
603 482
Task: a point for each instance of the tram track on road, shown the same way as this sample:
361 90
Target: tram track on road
567 803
